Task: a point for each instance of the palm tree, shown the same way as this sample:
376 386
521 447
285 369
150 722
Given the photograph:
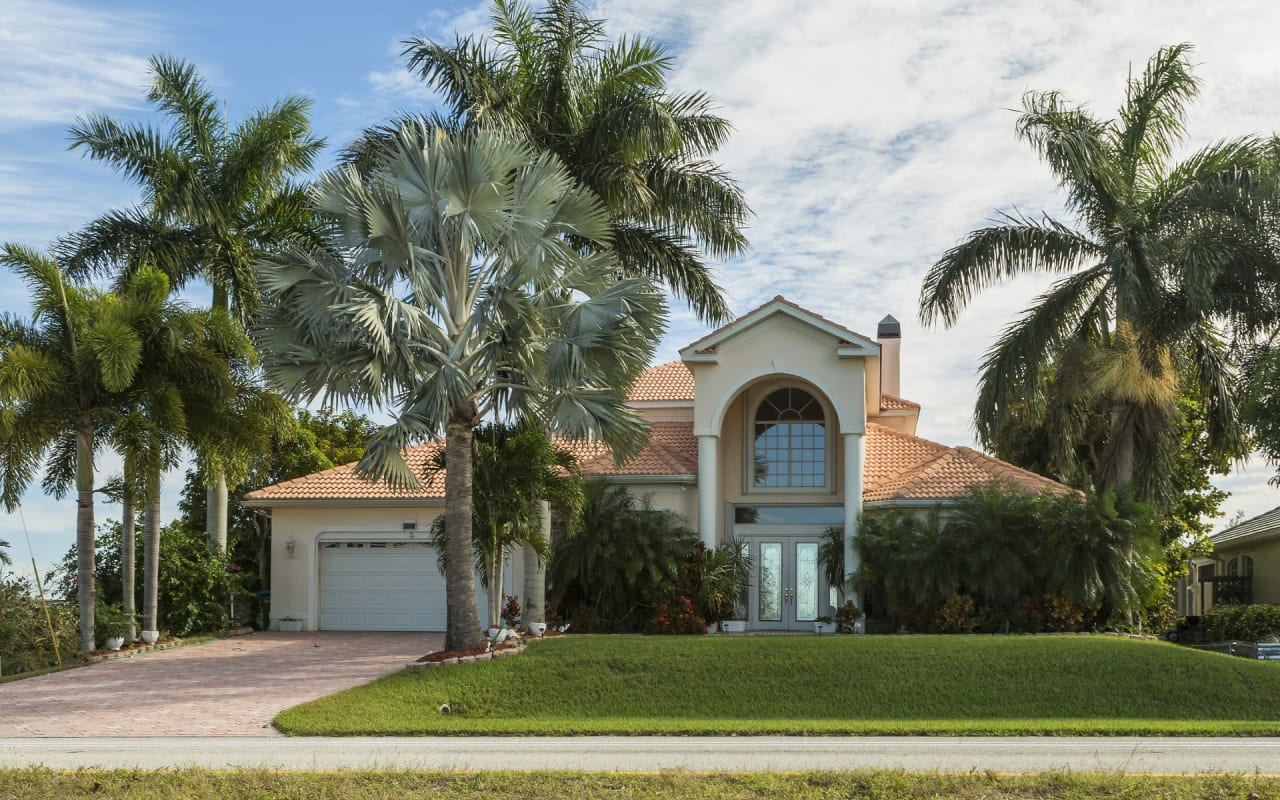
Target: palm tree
1166 261
460 296
61 375
517 469
552 79
215 199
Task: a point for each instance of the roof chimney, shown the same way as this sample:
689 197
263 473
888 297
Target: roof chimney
889 332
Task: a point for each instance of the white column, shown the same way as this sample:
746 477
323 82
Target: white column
854 459
708 481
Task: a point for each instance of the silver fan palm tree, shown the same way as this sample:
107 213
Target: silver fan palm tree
455 293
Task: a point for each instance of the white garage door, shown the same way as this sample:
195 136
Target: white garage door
380 586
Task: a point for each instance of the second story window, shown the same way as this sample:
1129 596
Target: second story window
789 445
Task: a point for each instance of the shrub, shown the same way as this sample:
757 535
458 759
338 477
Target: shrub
511 611
957 615
625 558
1062 614
675 614
1252 623
25 641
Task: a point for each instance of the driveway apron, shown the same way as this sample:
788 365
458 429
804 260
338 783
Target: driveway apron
230 687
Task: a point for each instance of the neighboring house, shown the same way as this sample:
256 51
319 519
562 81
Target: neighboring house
769 430
1244 568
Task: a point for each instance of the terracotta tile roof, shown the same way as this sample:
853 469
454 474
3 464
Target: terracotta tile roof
776 299
669 381
905 467
891 402
672 450
343 482
898 467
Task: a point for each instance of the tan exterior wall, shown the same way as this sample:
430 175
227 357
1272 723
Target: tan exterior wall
1266 567
659 413
899 421
782 347
680 498
295 578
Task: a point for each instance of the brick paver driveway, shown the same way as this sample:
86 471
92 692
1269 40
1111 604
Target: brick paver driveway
231 687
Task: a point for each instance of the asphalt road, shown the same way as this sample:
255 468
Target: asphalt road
643 754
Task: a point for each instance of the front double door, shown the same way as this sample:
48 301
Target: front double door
788 590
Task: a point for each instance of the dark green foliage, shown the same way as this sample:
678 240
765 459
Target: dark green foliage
1262 406
1254 623
196 586
25 643
1016 556
623 559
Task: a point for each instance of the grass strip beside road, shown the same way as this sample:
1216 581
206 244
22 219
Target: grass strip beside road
40 784
868 685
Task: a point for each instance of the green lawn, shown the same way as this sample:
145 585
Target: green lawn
37 784
818 685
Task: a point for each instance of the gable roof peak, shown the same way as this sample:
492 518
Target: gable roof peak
851 342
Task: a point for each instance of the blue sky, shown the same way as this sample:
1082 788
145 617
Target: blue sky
870 136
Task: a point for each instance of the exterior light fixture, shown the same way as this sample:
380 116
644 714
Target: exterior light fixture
288 547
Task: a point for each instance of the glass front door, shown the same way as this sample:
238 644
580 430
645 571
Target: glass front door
788 590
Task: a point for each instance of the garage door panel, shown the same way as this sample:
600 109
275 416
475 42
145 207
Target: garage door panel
397 586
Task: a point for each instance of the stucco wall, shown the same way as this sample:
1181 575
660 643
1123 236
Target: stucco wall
294 578
1266 567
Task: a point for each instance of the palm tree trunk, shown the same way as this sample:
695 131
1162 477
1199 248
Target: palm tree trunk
460 580
86 588
128 554
151 554
495 588
1122 434
535 572
216 514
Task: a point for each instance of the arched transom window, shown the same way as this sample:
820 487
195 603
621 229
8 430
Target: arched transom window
1240 567
790 441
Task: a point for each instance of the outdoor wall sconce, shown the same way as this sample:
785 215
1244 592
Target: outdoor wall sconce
288 547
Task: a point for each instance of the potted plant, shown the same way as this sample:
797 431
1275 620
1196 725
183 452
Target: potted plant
112 624
820 624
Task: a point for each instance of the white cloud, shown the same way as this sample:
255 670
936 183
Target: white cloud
61 60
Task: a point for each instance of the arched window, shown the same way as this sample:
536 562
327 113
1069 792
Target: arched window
1240 566
790 441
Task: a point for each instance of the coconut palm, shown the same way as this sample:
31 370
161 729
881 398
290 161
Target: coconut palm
214 199
1165 262
552 79
457 296
61 376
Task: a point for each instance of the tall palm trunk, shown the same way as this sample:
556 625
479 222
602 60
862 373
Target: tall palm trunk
215 519
535 571
86 589
151 553
460 580
216 514
128 546
1122 446
495 585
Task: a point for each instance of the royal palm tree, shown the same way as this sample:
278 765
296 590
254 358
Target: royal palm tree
552 79
1164 263
214 199
459 295
61 378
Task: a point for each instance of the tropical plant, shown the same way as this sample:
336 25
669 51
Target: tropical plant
459 296
1262 406
723 576
516 469
624 557
214 200
1167 262
4 554
29 640
552 79
61 375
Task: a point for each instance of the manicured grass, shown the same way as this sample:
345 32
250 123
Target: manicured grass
818 685
37 784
